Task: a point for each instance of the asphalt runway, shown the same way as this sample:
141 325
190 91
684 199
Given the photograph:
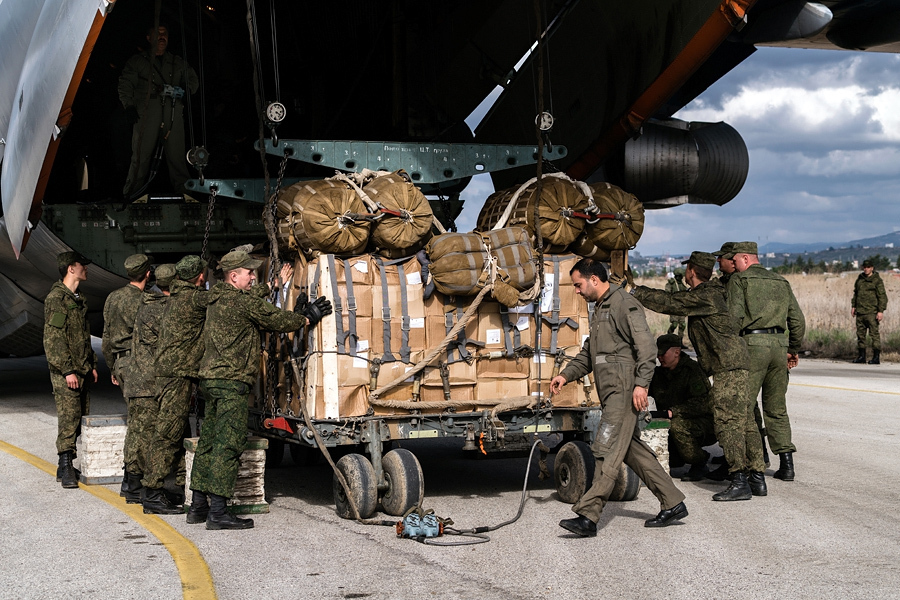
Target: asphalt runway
832 533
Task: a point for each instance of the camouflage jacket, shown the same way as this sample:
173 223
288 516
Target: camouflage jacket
118 322
67 334
761 299
684 390
619 334
181 332
869 296
144 343
712 329
673 285
167 69
231 335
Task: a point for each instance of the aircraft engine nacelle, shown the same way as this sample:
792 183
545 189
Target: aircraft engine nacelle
676 162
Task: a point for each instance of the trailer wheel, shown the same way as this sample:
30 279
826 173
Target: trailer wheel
360 476
573 470
274 453
628 484
406 483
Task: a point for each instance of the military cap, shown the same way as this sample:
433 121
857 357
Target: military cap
727 248
189 267
64 259
701 259
238 259
741 248
679 272
669 340
165 274
137 264
868 263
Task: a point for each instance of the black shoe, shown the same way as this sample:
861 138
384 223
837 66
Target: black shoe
175 496
156 503
739 489
786 470
695 473
580 526
135 488
199 510
218 518
757 483
720 473
665 517
861 359
876 358
68 476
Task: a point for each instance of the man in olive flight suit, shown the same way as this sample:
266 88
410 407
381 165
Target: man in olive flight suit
773 326
119 313
230 365
723 355
676 284
72 361
868 306
681 391
621 353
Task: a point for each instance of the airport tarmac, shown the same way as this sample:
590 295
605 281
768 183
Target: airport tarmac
832 533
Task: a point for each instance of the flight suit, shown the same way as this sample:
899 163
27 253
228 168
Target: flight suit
869 299
621 352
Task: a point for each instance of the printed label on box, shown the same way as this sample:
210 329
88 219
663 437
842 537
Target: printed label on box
417 323
414 278
361 266
492 336
362 346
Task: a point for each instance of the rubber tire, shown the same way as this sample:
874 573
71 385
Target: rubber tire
573 470
406 482
274 453
360 476
628 484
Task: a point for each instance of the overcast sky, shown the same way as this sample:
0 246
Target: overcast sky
823 131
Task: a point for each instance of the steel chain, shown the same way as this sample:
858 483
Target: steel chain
212 202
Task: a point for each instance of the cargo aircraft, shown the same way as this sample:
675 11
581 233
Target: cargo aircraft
370 84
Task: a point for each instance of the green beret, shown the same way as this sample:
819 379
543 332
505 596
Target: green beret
238 259
64 259
165 274
137 264
727 248
189 267
669 340
701 259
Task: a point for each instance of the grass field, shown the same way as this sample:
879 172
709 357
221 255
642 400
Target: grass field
825 301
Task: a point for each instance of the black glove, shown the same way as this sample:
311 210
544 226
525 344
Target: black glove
301 303
315 311
131 114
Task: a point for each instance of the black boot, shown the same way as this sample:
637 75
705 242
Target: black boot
738 490
135 487
124 488
580 526
757 483
67 473
199 510
156 503
786 470
861 359
720 473
218 518
876 357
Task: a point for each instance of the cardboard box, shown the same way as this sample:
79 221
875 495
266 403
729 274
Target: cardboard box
378 339
493 388
572 394
507 368
461 374
458 392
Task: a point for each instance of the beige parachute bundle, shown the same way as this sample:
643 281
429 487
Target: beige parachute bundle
460 263
621 220
561 197
324 215
406 218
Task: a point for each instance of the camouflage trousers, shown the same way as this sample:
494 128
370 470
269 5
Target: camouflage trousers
733 419
141 416
690 435
71 405
868 323
677 323
222 438
166 451
769 373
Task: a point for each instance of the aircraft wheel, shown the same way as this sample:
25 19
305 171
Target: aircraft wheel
274 453
573 470
628 484
360 476
406 483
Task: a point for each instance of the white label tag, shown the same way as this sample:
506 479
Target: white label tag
414 278
417 323
547 293
523 323
540 357
492 336
361 266
362 347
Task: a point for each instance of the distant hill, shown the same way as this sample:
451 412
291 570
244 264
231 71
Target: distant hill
873 243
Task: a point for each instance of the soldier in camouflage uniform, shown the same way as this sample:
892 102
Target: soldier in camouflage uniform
621 353
723 355
868 306
119 313
676 284
179 350
773 326
681 391
229 367
726 265
72 361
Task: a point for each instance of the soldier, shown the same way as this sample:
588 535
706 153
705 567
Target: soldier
726 266
681 391
620 351
868 305
119 313
773 326
72 361
723 356
151 88
676 284
228 369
